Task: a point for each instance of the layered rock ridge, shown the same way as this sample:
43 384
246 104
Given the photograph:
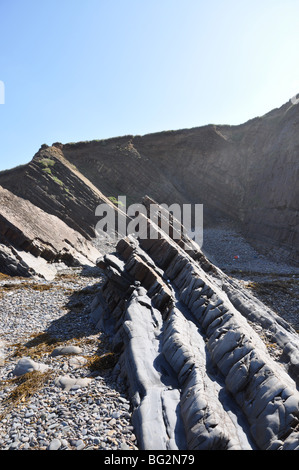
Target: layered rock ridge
55 186
248 173
200 376
31 240
47 216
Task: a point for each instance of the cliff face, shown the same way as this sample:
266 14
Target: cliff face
54 185
46 216
247 172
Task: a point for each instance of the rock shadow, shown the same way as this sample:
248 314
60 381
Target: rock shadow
76 323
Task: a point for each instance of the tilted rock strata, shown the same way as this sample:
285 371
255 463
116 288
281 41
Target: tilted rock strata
30 238
247 172
200 376
55 186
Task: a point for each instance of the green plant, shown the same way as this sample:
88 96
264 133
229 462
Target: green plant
115 201
46 162
57 180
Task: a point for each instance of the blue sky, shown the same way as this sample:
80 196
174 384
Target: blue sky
75 70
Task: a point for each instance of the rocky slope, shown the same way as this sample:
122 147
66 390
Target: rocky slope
31 239
54 185
47 216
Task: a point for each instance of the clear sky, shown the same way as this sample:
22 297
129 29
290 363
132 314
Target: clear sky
81 70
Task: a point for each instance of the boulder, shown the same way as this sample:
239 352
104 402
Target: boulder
66 351
69 383
26 364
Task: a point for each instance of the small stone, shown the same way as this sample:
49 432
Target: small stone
79 445
64 443
66 350
77 362
96 441
67 383
55 444
124 446
14 445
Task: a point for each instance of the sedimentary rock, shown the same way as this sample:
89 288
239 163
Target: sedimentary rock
31 238
69 383
66 351
12 264
200 376
248 172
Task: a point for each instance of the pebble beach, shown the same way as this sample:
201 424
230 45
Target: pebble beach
76 407
79 402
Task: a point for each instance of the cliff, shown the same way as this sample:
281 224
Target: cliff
247 173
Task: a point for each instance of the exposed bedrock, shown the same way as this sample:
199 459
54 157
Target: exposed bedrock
249 173
31 239
200 376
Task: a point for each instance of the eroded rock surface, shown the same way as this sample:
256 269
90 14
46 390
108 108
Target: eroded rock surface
200 375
